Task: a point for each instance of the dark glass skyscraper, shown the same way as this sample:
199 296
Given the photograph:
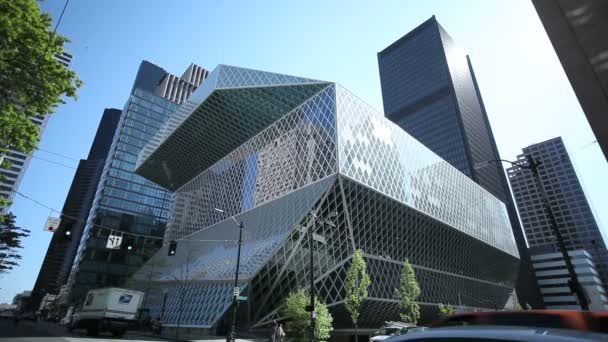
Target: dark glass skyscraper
429 89
60 254
125 202
573 214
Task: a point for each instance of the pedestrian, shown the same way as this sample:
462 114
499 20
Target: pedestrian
275 329
281 333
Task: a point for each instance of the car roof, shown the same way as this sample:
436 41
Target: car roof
528 312
502 333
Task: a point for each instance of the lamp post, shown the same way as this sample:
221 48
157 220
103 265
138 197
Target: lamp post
532 165
311 237
235 300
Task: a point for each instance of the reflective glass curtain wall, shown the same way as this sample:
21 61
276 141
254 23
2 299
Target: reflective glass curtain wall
125 201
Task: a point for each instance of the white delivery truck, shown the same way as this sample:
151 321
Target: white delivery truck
109 309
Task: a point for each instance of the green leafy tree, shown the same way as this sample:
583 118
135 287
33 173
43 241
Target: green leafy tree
298 326
357 282
446 310
407 293
32 81
10 243
528 306
517 307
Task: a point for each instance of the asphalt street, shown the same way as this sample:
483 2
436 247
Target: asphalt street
26 331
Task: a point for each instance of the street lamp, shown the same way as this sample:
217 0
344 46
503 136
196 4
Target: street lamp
312 236
235 300
532 165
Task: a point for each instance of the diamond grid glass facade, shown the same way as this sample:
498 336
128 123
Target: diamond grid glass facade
328 153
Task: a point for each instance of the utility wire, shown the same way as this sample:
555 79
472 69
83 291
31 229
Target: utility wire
60 16
62 215
108 228
57 154
53 162
48 45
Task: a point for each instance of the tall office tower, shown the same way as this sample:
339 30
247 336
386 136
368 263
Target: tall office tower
19 160
124 201
577 30
574 216
429 89
552 276
60 254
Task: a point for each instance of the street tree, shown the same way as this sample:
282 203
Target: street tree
298 326
32 81
517 307
10 243
357 282
446 310
407 293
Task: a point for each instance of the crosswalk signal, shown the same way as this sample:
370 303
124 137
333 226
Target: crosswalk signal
172 248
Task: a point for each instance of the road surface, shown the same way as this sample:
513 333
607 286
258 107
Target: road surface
28 331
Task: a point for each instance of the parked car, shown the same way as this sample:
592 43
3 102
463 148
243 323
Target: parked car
390 329
498 334
412 329
558 319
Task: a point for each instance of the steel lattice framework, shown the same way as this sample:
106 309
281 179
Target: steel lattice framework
268 149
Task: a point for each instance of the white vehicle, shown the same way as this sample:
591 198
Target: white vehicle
390 329
108 309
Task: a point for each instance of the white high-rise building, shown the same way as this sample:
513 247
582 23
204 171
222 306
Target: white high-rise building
19 160
552 277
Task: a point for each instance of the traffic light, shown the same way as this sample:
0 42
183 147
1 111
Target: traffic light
128 243
67 231
172 248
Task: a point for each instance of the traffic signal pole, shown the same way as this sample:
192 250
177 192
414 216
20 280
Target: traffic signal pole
313 318
235 295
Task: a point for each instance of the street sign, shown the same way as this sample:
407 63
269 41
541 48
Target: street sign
315 236
242 298
236 292
52 223
114 241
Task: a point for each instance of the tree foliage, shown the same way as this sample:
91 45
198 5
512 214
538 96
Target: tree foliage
528 306
446 310
407 293
357 282
10 243
298 326
517 307
32 81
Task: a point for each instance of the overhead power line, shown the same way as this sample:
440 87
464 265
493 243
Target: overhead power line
57 154
53 162
62 215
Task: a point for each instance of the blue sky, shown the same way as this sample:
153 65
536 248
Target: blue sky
526 93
